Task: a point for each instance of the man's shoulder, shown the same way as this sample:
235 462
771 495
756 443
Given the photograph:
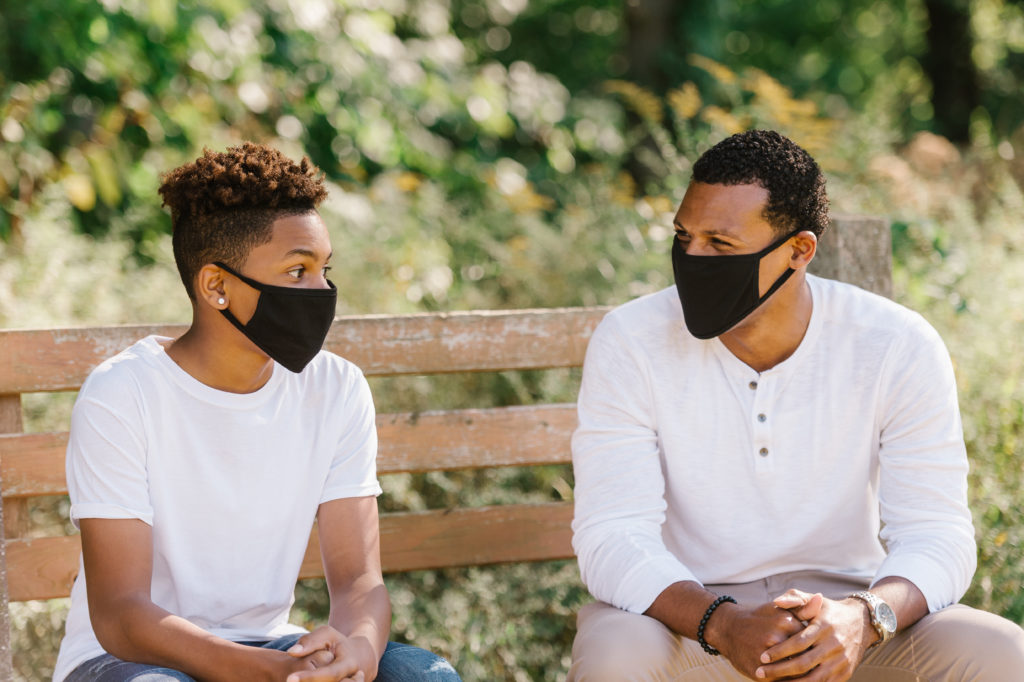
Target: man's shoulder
853 310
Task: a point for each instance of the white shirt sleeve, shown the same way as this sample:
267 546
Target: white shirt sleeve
620 487
927 526
106 455
353 471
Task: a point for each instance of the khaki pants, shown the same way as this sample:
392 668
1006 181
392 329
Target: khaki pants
955 644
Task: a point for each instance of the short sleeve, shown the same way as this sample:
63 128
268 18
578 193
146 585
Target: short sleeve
106 455
353 471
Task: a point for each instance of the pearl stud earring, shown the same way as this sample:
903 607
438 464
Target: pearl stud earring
220 300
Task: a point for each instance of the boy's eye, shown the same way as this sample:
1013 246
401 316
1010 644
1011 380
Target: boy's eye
297 272
327 269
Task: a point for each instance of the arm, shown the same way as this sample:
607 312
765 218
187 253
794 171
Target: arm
360 618
118 564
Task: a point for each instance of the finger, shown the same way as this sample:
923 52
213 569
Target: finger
792 598
794 667
793 646
321 658
811 609
321 638
341 669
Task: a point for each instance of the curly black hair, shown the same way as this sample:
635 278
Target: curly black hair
795 184
224 204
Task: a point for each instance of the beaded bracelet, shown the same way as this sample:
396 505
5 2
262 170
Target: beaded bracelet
704 621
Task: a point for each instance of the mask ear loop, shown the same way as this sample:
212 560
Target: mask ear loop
784 276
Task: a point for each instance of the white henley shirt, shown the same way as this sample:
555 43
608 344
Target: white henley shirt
848 457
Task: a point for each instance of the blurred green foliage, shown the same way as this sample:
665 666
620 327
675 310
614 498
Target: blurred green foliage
506 154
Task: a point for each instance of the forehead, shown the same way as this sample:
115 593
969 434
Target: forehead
300 233
735 210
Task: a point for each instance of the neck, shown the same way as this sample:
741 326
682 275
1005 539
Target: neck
774 331
221 359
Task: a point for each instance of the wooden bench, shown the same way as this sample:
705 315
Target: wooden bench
53 360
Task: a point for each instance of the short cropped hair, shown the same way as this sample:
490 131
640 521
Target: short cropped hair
224 204
795 184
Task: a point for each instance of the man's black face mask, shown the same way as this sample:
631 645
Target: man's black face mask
290 323
718 292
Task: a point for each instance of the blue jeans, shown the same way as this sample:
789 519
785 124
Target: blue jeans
400 663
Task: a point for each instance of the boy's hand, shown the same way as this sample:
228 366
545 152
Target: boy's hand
331 657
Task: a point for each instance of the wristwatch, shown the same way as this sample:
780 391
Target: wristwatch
882 617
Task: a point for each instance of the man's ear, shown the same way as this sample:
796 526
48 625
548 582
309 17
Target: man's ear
210 286
805 245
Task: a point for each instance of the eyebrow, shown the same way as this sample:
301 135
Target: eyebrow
711 233
306 252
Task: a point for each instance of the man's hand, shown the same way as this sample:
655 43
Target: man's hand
326 655
829 649
742 633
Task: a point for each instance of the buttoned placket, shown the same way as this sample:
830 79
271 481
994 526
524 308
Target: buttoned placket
760 416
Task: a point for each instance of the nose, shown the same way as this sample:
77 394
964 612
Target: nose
699 247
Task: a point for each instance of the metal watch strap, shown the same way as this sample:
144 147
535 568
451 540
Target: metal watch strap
874 601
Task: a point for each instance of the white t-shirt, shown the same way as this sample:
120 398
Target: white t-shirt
230 483
690 465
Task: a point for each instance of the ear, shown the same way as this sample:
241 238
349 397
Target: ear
210 287
805 245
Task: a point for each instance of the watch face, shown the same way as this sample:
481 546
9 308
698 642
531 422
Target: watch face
886 617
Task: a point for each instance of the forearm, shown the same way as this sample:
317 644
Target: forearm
363 613
682 605
135 629
905 599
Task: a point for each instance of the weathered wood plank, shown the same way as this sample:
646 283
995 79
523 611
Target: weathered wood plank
10 422
430 343
42 568
467 537
33 464
45 568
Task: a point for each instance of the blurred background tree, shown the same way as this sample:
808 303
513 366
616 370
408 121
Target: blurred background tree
506 153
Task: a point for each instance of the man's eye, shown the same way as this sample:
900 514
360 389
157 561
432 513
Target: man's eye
297 273
682 236
327 269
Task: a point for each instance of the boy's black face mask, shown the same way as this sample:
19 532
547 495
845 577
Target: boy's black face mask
290 323
718 292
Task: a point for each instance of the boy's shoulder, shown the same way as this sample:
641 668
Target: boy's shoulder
128 367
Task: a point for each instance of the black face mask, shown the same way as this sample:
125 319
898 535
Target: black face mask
717 292
290 323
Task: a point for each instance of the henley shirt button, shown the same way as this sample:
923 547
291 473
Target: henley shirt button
753 385
761 418
763 452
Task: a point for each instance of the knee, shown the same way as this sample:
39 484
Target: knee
621 646
997 644
403 662
981 646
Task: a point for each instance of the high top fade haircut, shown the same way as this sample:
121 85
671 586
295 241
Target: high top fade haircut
224 204
795 184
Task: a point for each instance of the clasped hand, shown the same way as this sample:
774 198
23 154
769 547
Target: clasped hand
799 636
326 655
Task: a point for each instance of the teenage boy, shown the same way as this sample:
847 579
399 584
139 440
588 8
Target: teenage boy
770 469
197 465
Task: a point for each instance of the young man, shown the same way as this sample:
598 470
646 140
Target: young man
770 469
197 465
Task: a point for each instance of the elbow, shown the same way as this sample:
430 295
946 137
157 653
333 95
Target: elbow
110 624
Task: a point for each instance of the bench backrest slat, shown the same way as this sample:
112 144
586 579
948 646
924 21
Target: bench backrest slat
433 539
34 360
32 464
